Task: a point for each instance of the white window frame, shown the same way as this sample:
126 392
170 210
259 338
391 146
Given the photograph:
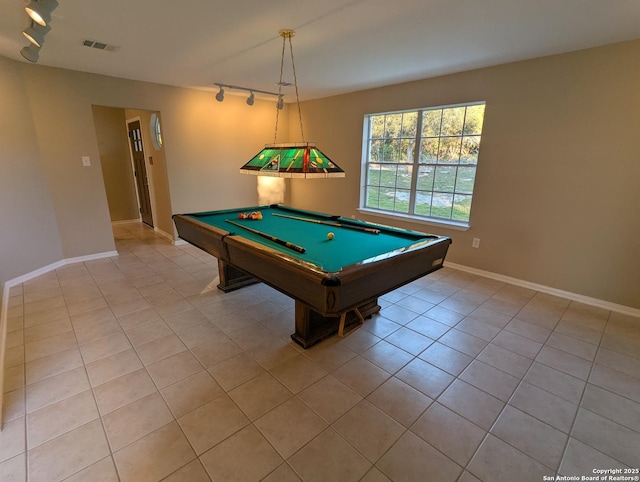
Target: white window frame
415 163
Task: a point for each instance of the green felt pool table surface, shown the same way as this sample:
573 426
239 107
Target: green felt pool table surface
348 247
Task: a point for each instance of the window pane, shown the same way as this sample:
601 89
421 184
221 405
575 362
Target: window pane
373 197
390 151
474 119
452 121
409 124
374 174
375 151
403 179
388 176
431 123
461 207
377 126
392 125
465 179
470 149
407 147
425 178
429 150
445 178
402 197
387 198
449 151
423 203
442 205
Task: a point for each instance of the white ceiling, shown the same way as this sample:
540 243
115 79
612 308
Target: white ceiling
340 45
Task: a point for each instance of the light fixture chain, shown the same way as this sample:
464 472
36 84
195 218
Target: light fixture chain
295 83
275 134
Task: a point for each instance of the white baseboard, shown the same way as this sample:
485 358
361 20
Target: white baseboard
607 305
56 265
126 221
21 279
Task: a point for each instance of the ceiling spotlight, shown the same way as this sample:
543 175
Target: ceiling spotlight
31 53
40 10
220 95
35 34
280 102
251 99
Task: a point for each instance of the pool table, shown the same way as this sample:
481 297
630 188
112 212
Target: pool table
335 282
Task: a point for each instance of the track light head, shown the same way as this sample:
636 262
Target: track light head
220 95
35 34
280 102
31 53
40 11
251 99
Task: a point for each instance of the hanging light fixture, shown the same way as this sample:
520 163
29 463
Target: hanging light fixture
297 160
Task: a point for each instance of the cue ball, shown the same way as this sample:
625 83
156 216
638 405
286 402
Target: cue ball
330 235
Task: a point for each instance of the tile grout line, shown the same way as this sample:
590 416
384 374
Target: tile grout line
520 382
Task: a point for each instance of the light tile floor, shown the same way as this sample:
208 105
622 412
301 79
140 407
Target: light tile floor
136 368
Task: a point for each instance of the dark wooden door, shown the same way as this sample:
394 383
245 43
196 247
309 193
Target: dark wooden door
140 173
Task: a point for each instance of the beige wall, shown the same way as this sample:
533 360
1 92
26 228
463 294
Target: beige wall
29 235
115 160
558 186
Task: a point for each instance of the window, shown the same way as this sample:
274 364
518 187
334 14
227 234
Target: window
423 163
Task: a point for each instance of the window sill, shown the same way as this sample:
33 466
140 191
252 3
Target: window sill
456 225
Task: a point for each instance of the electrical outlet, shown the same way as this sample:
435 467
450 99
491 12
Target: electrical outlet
475 243
86 161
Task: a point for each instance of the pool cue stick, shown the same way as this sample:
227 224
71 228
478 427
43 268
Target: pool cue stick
329 223
282 242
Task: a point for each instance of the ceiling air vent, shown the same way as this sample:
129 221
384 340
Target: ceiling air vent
99 45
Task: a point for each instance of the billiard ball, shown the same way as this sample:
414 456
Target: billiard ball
330 235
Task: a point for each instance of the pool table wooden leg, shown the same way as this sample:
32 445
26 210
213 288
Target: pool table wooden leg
312 327
231 278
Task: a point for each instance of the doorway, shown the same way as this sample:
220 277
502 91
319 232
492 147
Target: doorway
125 144
140 172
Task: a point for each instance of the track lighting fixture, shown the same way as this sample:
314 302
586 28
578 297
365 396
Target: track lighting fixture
280 102
35 34
31 52
251 99
40 11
